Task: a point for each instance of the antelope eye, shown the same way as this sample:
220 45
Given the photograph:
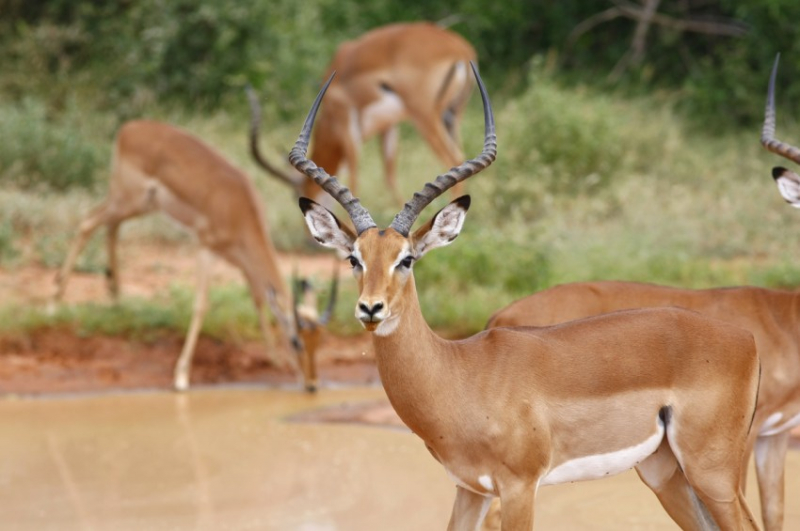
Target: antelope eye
407 261
354 261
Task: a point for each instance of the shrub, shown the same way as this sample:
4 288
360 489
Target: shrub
37 151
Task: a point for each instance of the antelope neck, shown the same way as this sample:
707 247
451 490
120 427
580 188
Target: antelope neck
411 362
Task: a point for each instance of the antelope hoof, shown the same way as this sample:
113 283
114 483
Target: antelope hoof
181 383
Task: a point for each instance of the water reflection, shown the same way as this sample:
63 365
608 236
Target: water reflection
209 460
231 459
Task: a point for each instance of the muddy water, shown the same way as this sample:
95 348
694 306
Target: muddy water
229 459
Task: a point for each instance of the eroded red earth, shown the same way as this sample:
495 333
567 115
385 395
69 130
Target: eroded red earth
59 361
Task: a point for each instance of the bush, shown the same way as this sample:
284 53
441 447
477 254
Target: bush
37 151
577 140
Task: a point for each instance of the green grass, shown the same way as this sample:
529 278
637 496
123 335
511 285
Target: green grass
586 186
231 315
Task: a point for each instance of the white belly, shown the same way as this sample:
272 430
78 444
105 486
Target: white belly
381 114
774 425
602 465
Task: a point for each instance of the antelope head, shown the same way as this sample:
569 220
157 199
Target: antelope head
788 181
382 260
310 324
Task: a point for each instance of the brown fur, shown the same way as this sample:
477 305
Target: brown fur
514 403
414 61
157 166
773 316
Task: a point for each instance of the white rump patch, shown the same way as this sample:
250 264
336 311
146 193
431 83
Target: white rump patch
382 113
602 465
486 482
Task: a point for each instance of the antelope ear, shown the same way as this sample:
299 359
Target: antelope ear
789 185
443 227
325 228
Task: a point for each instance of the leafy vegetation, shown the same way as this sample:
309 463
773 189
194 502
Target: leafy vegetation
657 177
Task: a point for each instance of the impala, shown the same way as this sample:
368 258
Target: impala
667 391
412 71
772 316
158 167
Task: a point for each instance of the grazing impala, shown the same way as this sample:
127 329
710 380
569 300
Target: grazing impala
667 391
772 316
413 71
158 167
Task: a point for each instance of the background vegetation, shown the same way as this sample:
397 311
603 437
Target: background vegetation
650 172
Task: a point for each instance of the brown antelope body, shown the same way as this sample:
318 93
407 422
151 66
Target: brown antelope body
409 71
667 391
773 316
158 167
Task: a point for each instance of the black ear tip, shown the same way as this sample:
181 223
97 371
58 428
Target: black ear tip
778 171
305 204
464 201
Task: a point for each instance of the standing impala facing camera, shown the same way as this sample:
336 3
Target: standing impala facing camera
667 391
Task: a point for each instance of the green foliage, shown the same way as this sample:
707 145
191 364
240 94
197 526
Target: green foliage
563 141
481 271
231 316
783 275
37 151
126 56
8 244
591 181
727 85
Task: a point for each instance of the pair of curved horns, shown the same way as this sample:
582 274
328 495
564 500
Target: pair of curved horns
362 220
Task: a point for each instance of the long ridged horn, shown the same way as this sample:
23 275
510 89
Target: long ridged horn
295 181
405 219
362 220
768 139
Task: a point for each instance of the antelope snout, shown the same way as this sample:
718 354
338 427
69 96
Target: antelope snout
370 313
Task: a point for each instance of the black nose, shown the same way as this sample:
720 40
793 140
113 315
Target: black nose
378 306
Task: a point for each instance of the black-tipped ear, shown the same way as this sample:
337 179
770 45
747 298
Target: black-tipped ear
778 171
306 204
464 201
